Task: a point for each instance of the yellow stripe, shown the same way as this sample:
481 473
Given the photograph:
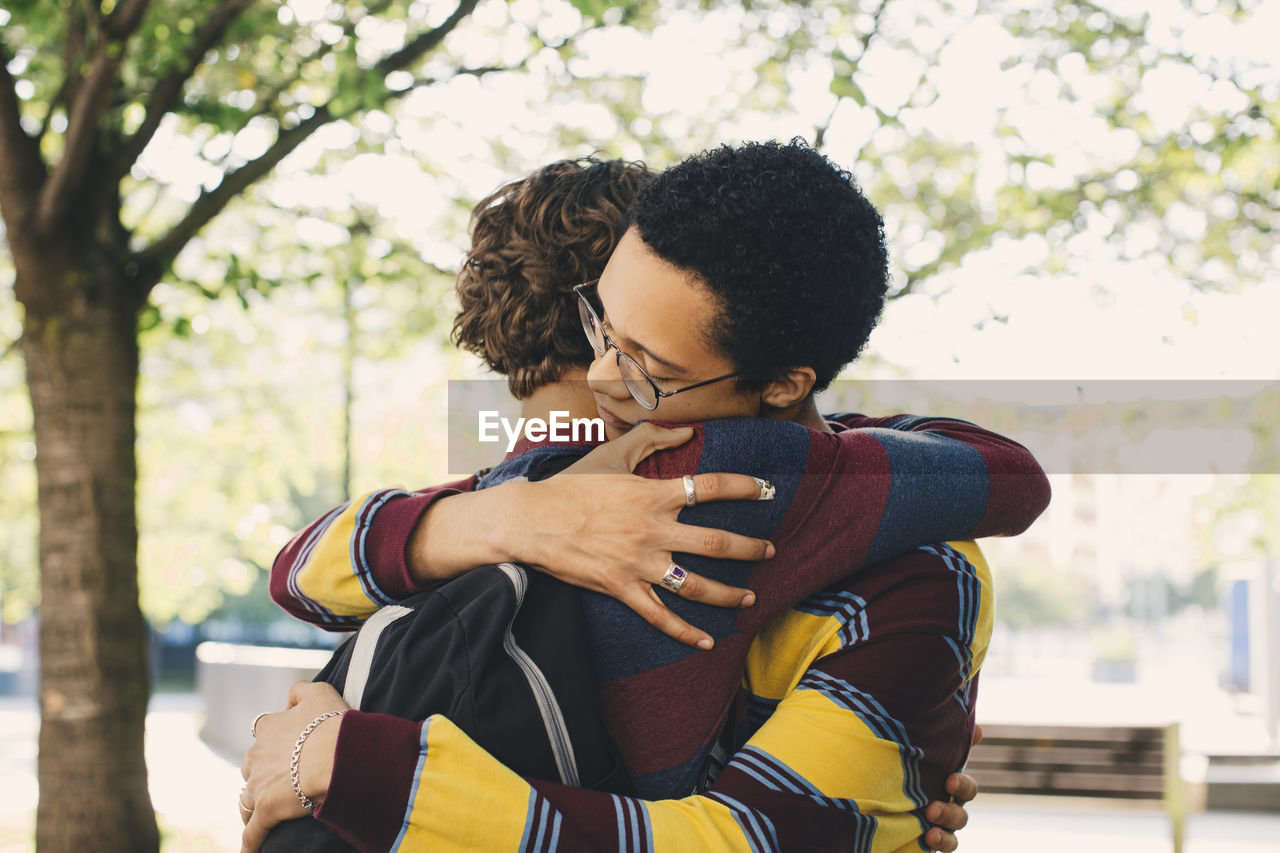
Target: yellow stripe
488 814
328 577
788 645
695 824
869 770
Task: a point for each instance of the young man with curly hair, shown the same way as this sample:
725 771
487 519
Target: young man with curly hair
859 696
531 241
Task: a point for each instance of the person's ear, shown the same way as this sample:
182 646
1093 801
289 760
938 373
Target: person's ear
792 388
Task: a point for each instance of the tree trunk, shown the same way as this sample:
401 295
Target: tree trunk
81 354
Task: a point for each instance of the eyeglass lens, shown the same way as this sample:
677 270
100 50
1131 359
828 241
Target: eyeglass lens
632 375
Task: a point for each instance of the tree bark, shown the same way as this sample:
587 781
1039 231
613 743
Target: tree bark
81 354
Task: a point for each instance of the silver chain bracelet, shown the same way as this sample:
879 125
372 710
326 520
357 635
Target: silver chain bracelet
297 753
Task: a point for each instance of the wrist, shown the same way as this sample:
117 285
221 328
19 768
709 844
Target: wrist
466 530
315 756
513 538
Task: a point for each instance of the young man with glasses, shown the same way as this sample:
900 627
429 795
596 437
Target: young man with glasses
643 387
637 279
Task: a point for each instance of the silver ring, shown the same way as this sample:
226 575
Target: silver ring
690 495
253 727
674 578
240 802
767 490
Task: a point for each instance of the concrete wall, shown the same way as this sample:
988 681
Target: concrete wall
236 683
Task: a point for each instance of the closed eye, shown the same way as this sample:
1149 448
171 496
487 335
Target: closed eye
608 330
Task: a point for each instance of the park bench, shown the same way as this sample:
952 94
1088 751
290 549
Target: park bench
1111 762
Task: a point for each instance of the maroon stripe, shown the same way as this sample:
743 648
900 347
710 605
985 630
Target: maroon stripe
386 541
661 717
373 771
588 820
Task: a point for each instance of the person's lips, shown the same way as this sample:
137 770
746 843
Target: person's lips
612 420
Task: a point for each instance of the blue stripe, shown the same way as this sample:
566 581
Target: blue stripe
962 658
359 537
531 812
542 824
879 720
822 603
772 785
765 774
622 825
938 489
648 825
304 554
758 829
629 820
554 843
635 823
849 609
777 776
417 780
544 817
968 588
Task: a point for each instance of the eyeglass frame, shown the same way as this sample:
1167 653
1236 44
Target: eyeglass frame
591 317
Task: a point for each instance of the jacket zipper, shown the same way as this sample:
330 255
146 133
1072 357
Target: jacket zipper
552 717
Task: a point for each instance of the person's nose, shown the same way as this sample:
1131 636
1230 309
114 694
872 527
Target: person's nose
603 376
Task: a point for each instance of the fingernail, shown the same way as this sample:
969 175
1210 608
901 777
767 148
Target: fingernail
748 599
769 550
767 491
705 644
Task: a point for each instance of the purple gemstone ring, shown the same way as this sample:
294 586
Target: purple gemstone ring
674 578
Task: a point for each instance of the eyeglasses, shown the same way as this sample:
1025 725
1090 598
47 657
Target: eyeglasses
638 381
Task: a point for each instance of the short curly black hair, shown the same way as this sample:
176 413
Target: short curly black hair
785 241
532 240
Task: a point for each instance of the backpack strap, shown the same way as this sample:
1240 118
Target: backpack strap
362 653
723 748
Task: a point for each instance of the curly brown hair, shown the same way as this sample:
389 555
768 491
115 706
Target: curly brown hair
532 241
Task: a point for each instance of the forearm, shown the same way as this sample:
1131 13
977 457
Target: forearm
443 792
452 795
1005 480
468 530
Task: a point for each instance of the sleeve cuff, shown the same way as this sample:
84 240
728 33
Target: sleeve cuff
387 543
373 770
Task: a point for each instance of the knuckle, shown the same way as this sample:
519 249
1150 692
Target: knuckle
652 613
710 488
713 542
